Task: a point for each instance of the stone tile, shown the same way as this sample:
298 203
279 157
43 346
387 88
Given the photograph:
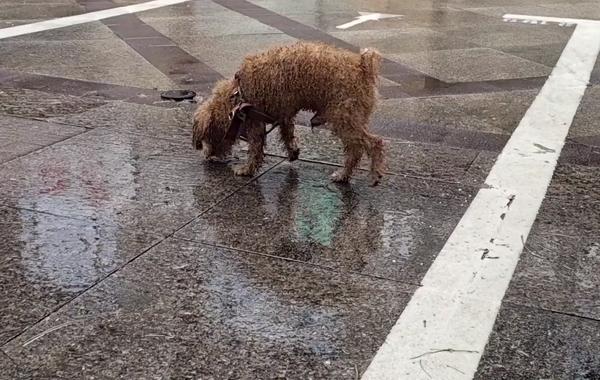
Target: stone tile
499 112
8 23
328 21
586 122
402 157
92 60
534 344
586 10
392 231
197 8
7 367
202 25
568 9
595 157
173 123
559 266
453 120
544 34
38 104
31 132
119 179
16 149
422 17
29 10
85 32
227 52
520 37
573 198
546 54
471 65
48 260
184 310
393 115
559 270
480 168
577 154
391 41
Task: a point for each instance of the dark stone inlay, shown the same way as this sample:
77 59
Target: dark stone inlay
181 67
77 87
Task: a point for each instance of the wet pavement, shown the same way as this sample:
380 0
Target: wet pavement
125 255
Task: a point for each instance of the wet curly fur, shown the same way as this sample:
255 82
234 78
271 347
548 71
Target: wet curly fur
338 85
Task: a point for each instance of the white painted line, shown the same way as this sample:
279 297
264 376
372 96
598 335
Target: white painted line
443 331
364 17
544 19
83 18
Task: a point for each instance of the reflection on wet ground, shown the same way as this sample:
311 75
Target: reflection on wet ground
125 255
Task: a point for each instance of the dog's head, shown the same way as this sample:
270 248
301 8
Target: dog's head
211 122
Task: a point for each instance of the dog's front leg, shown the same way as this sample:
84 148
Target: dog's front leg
289 140
256 132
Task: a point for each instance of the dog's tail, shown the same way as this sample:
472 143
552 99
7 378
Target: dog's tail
370 63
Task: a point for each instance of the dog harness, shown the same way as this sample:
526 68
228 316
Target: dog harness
244 110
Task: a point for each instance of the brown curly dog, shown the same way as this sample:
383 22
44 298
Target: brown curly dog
337 85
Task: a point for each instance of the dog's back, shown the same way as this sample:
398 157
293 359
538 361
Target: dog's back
309 76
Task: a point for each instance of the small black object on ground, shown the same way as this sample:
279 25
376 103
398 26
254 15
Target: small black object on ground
178 95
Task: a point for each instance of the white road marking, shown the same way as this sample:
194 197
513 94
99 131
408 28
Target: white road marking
544 19
83 18
443 331
364 17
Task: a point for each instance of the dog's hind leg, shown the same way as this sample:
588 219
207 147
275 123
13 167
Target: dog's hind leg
256 143
374 147
290 142
357 140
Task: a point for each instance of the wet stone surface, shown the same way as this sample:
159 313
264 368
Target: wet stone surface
405 158
559 268
48 260
38 104
451 120
586 122
80 59
8 368
392 231
20 136
534 344
471 65
185 310
173 123
125 255
119 179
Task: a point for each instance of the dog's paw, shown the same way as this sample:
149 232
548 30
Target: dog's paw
375 178
339 177
293 154
244 171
